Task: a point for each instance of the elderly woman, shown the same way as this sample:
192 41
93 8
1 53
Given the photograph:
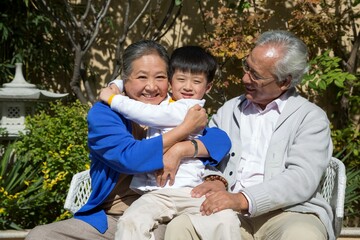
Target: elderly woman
115 153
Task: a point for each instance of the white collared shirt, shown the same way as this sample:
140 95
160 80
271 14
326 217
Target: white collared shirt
256 129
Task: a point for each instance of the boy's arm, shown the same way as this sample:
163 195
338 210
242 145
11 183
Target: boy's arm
165 115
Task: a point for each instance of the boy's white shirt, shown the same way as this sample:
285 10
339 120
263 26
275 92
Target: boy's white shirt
164 116
160 119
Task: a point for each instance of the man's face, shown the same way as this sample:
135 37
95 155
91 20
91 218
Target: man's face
148 82
260 84
189 85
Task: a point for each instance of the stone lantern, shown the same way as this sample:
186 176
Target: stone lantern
18 100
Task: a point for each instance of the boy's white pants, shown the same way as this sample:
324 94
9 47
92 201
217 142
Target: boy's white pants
160 206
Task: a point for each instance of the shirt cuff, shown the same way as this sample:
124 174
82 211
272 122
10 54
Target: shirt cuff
250 209
119 83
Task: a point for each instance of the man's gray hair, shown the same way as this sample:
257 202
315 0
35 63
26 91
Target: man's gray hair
293 61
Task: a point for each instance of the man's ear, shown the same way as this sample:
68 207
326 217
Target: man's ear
287 83
208 87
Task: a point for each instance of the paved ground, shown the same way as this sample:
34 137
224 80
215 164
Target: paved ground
20 235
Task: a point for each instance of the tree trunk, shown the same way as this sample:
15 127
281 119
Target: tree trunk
76 77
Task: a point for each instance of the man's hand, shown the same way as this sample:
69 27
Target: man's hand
220 200
207 187
196 119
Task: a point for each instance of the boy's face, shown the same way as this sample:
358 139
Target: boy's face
189 85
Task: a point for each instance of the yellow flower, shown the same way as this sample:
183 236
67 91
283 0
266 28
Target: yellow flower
69 147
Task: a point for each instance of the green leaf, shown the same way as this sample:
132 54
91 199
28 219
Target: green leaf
351 77
339 83
322 85
356 152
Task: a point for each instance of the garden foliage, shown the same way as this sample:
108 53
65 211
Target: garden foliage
36 170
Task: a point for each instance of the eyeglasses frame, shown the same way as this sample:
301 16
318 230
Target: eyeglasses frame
248 70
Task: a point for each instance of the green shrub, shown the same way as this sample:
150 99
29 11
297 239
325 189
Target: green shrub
327 80
38 175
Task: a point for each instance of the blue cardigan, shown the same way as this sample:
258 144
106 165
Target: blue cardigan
113 150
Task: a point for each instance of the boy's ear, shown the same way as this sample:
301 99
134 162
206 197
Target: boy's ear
208 87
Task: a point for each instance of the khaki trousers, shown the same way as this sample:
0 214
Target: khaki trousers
162 205
277 225
77 229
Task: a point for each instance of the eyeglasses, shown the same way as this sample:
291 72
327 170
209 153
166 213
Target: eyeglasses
252 74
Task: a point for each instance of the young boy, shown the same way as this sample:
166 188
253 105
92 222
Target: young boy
191 72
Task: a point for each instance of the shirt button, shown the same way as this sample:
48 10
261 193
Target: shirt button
232 154
230 173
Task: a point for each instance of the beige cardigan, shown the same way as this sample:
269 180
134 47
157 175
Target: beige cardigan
298 154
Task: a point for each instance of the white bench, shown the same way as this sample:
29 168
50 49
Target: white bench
332 185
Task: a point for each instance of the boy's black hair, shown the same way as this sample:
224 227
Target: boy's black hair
193 59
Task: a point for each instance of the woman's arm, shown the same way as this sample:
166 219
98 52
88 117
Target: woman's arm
110 140
211 148
195 120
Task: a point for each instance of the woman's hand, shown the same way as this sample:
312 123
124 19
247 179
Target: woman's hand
171 160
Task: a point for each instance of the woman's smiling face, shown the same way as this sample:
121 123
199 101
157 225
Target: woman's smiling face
148 81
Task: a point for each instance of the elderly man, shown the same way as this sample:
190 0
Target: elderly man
281 146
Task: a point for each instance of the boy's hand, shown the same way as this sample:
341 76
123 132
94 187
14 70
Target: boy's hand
115 88
196 119
107 92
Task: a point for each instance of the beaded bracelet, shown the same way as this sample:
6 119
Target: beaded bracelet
217 177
